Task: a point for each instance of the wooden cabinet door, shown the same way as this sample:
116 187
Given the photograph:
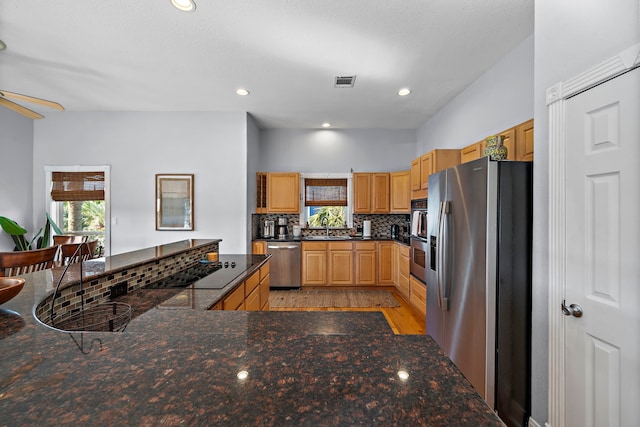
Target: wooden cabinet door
361 193
400 194
385 263
259 248
380 193
365 263
471 152
443 159
314 263
524 141
235 300
418 296
283 192
415 174
341 267
426 169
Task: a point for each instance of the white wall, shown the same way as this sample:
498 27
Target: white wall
336 150
139 145
500 99
570 37
16 174
253 159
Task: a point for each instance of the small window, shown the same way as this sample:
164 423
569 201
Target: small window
326 201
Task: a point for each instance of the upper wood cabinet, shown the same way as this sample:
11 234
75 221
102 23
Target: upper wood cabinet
400 194
524 141
261 192
429 163
371 192
518 140
471 152
277 192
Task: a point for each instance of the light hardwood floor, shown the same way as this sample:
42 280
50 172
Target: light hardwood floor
402 320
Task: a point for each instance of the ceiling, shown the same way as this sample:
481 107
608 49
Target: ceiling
145 55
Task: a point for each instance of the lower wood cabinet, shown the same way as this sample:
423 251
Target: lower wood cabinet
385 263
418 296
252 294
314 263
340 257
235 300
402 284
365 263
259 247
264 287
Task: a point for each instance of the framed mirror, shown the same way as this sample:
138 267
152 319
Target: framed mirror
174 202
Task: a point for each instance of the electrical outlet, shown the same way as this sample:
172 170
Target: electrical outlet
118 289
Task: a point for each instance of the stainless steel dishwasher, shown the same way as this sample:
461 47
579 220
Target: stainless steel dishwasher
284 265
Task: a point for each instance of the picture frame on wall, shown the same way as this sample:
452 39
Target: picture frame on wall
174 202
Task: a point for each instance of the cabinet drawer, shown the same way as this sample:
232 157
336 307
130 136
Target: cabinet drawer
235 300
264 293
404 267
404 250
365 246
418 298
314 246
252 302
264 271
251 283
340 246
403 286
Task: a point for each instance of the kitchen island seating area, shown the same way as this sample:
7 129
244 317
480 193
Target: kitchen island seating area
180 364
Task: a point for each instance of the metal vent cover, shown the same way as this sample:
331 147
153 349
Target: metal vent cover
344 81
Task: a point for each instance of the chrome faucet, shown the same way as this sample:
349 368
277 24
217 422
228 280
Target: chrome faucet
325 222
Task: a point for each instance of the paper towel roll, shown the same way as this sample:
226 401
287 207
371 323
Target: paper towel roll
366 228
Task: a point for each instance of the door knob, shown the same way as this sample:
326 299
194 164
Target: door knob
573 310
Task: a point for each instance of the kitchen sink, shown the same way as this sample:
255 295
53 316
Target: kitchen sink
328 238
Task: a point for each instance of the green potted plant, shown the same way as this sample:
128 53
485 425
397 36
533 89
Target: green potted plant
18 233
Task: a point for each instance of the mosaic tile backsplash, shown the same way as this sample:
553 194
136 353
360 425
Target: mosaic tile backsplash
380 224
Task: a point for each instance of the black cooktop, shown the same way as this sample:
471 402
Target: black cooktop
210 275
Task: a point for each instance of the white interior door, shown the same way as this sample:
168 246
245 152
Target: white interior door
602 348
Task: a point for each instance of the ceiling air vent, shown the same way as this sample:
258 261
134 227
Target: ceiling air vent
345 81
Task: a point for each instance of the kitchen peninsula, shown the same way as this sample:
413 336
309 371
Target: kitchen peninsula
180 364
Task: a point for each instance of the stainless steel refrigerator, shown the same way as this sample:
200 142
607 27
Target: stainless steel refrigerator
478 277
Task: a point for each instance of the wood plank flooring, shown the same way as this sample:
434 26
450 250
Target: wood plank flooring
402 320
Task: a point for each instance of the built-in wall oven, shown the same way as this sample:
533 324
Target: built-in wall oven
419 239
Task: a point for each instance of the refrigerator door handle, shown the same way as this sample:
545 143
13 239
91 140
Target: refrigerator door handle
444 244
439 254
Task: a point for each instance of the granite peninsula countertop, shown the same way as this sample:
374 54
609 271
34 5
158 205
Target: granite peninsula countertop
179 365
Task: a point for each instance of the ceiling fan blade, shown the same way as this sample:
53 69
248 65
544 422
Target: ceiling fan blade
20 109
32 99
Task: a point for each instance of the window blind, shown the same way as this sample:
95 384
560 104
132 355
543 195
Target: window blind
325 192
77 186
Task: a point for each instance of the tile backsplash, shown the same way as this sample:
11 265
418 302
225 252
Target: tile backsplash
380 224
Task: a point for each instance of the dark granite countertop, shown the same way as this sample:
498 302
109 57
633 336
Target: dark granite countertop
178 365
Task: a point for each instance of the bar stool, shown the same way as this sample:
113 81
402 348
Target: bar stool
70 256
17 263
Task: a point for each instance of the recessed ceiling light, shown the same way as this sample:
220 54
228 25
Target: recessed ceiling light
404 91
326 125
242 92
184 5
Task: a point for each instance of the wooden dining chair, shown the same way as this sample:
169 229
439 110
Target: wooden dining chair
16 263
87 252
65 240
